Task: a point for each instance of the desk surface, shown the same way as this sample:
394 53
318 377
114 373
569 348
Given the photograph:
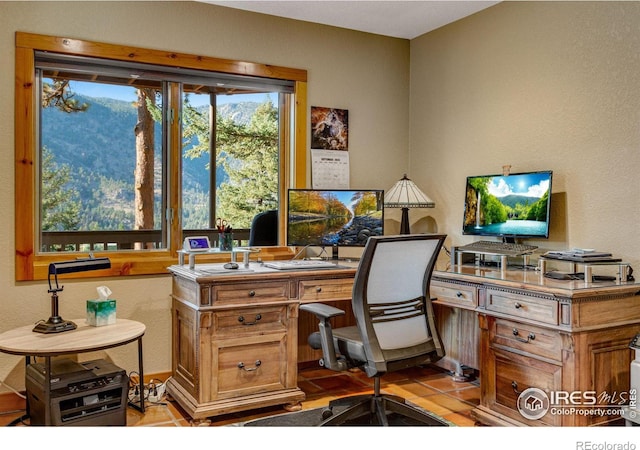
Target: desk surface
534 280
217 272
24 341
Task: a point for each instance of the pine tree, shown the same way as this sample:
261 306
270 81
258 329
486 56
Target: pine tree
60 205
253 185
248 154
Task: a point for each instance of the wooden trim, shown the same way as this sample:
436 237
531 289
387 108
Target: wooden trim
300 159
174 178
25 164
126 53
29 264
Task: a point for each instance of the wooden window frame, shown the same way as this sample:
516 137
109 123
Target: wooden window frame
33 265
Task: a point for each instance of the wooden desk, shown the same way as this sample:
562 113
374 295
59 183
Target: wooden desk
535 332
237 335
86 338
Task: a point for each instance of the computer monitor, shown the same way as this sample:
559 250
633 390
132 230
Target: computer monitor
334 218
508 206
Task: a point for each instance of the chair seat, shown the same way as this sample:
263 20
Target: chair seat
347 341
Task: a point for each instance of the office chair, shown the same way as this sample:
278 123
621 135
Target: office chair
264 229
395 326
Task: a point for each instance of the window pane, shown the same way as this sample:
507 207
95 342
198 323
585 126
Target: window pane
247 149
101 165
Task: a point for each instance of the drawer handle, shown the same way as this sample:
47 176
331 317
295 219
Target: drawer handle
241 320
514 386
459 294
258 363
529 338
318 289
518 305
252 293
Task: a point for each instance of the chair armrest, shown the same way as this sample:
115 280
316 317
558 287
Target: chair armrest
324 313
321 310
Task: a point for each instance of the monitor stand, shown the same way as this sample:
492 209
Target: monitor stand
334 252
508 239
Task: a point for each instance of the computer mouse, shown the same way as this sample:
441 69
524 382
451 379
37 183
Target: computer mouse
231 265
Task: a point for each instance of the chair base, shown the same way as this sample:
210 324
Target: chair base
376 410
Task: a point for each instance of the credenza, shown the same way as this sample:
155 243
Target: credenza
566 339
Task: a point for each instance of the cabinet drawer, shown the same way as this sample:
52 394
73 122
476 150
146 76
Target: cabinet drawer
453 294
251 368
521 306
316 290
527 338
241 293
250 320
513 375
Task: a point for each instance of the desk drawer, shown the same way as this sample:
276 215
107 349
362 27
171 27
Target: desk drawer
453 294
513 375
521 306
527 338
318 290
250 320
250 367
241 293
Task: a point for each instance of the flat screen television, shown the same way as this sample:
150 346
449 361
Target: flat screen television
509 206
334 218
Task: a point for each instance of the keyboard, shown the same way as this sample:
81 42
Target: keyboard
300 264
498 248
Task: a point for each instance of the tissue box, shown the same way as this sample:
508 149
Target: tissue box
101 312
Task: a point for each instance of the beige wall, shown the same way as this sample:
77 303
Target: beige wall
364 73
535 85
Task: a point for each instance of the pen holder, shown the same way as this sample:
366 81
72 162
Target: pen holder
225 241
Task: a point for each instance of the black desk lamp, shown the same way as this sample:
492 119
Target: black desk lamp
405 194
57 324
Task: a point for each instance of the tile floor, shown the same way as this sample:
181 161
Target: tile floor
429 388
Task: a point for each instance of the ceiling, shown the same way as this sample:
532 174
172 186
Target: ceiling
395 18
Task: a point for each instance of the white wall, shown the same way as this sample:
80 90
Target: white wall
535 85
364 73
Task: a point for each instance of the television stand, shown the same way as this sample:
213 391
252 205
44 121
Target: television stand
460 256
504 259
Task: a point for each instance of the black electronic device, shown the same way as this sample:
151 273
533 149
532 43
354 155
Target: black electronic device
334 217
508 206
81 394
231 265
556 275
582 257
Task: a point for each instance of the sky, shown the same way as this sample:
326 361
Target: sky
530 185
127 93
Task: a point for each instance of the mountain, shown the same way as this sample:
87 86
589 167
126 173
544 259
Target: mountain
82 140
513 199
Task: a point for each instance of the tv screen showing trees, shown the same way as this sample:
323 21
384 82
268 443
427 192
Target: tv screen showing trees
334 217
514 205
